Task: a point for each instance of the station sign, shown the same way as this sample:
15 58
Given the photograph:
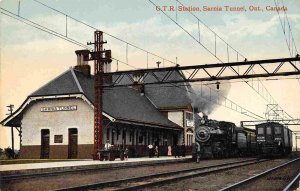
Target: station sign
190 123
58 138
59 108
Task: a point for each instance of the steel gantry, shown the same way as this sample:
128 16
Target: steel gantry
218 74
283 122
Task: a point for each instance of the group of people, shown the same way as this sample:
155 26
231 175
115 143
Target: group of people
176 151
123 152
153 151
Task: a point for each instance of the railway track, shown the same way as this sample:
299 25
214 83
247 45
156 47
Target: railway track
253 180
141 182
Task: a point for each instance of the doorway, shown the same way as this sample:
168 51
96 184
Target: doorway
73 143
45 143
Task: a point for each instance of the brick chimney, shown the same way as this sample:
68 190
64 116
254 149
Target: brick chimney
107 67
82 62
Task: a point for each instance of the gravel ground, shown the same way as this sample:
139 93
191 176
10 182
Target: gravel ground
275 181
220 180
76 179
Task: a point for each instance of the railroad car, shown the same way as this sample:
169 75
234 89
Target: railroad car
274 139
218 139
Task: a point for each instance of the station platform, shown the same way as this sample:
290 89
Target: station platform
50 167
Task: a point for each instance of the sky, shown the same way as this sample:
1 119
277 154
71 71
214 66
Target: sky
30 57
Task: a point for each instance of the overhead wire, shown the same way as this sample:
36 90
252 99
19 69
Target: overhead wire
291 44
268 93
128 43
49 31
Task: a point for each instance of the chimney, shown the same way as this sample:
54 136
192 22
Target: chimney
138 83
107 67
82 62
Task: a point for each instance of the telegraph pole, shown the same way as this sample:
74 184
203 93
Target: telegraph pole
100 57
10 110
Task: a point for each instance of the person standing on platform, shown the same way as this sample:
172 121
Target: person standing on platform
156 151
175 150
107 145
150 148
169 151
126 153
183 150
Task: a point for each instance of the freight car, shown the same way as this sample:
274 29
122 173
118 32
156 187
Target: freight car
218 139
273 139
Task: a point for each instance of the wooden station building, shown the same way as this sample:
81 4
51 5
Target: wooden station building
57 120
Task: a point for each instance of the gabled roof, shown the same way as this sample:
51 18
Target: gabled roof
122 103
166 96
63 84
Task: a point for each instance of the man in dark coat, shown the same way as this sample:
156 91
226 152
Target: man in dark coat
175 151
183 150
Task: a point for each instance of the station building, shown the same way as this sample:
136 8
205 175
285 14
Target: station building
57 120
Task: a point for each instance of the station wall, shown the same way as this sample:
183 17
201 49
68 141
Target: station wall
58 123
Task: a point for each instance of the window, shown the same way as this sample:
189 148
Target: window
124 135
189 139
107 134
141 139
269 131
118 133
189 116
112 136
260 131
277 130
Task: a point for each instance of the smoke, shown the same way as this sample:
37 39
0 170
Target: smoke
207 97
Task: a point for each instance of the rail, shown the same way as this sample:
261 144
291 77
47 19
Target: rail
162 178
248 180
292 183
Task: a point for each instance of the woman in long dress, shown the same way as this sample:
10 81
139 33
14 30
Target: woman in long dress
169 150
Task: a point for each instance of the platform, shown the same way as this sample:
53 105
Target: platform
50 167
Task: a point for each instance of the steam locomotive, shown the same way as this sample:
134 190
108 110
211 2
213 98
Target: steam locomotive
274 139
219 139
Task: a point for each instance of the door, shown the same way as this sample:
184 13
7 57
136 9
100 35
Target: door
45 143
73 143
269 134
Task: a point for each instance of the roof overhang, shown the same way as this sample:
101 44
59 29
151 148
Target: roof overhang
8 121
140 123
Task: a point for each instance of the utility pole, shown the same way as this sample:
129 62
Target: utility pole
10 110
100 57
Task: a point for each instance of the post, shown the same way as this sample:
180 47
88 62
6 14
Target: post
296 143
10 109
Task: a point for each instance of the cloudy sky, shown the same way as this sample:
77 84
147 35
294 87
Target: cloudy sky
30 57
